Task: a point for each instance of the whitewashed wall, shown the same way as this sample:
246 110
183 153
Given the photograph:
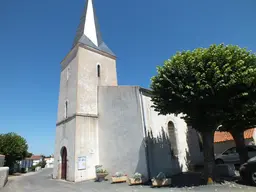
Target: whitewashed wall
161 158
88 80
4 172
65 136
86 146
121 137
68 90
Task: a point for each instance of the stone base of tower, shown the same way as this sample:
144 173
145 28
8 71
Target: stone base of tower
76 151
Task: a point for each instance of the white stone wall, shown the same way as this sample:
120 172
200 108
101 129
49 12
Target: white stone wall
157 125
4 172
86 146
88 79
121 137
65 136
68 90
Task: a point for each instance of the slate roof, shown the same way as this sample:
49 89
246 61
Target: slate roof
82 38
226 136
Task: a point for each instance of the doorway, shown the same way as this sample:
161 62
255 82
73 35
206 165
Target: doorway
64 163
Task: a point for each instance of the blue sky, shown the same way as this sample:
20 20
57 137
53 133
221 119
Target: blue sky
36 35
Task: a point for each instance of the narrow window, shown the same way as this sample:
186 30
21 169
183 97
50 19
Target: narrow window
98 70
68 73
172 139
66 109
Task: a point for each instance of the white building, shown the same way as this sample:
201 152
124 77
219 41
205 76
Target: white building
31 161
102 123
49 162
2 160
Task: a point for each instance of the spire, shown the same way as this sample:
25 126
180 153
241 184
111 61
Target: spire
88 31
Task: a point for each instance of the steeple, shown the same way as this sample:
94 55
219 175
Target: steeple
88 31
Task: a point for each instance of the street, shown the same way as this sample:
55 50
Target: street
42 182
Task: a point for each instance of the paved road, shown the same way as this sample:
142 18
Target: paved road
42 182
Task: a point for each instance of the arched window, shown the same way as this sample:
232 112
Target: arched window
98 70
172 138
66 109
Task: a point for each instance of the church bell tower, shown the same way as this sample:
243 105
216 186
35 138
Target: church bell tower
89 64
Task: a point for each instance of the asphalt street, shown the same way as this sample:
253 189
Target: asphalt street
42 182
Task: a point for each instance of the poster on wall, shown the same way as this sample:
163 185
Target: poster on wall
81 163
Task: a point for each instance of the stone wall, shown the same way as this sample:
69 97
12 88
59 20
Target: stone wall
121 136
86 146
4 172
156 128
65 137
88 79
68 90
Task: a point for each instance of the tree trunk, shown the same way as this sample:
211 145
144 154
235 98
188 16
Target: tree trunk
209 160
240 145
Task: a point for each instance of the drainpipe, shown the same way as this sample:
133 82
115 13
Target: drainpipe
145 132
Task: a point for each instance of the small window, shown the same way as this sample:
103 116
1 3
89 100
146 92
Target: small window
68 73
66 109
98 70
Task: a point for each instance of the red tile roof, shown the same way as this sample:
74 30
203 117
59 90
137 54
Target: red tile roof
35 157
226 136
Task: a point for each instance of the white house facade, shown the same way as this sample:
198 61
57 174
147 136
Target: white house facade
32 161
49 162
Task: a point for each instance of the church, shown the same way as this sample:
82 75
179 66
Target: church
102 123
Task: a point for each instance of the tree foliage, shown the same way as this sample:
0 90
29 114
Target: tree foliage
203 84
14 147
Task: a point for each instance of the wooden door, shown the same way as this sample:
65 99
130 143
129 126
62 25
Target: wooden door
64 164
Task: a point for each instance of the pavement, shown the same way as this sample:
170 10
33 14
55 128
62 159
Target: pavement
42 182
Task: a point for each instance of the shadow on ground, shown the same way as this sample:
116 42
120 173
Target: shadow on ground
188 179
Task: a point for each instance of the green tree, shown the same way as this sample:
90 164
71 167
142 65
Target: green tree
28 154
14 147
200 85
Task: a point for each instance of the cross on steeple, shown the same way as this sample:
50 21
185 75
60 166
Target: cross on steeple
88 31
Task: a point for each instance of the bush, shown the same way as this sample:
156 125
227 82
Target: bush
33 168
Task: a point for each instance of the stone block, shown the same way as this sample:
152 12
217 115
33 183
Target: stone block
4 172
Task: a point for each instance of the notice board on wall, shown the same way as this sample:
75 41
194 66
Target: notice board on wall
82 163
